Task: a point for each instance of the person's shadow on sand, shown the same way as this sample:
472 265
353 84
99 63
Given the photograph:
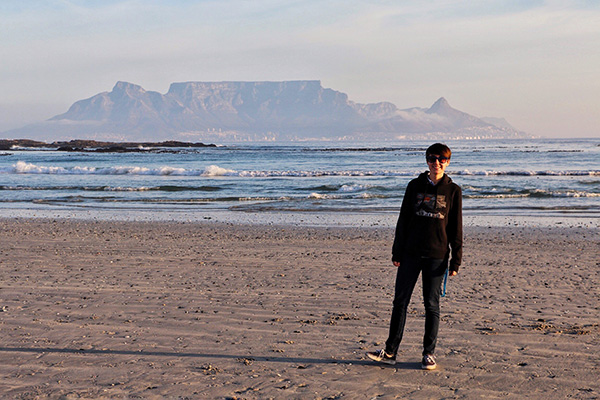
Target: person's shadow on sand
292 360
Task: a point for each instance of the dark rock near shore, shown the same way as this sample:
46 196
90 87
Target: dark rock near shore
95 146
7 144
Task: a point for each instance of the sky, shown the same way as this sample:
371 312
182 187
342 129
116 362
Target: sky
535 63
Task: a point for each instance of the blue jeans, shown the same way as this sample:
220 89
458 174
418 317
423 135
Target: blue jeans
433 274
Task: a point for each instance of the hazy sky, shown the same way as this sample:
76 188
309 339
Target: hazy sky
536 63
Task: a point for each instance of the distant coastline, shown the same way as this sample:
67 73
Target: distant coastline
254 112
97 146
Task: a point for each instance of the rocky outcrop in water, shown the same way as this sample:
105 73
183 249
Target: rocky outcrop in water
96 146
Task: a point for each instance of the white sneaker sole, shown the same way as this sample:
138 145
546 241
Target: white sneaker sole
381 360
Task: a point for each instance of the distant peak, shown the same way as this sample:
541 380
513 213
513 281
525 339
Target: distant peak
440 105
441 102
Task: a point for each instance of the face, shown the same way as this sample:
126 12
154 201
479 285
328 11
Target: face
437 164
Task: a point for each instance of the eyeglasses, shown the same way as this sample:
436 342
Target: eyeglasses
441 159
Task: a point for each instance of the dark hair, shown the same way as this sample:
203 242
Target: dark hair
440 149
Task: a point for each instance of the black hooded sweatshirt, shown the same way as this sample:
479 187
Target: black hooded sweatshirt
430 221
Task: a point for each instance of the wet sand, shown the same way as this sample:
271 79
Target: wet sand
156 310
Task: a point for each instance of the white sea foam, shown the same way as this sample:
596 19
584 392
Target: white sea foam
529 173
214 170
497 196
22 167
572 193
534 193
370 196
353 188
319 196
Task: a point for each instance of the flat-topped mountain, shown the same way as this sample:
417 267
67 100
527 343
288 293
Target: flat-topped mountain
230 111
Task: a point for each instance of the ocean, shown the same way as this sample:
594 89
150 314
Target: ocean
524 178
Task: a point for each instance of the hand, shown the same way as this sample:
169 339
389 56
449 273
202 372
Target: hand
396 263
453 273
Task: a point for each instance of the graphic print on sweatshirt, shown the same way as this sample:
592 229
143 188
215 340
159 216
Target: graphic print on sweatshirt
430 205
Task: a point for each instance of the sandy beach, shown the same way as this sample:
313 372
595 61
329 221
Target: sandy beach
207 310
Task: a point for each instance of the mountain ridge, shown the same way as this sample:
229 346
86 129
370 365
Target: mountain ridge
239 110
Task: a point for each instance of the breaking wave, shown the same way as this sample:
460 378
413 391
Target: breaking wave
22 167
529 173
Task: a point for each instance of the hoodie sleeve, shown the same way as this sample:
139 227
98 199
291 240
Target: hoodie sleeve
402 224
455 230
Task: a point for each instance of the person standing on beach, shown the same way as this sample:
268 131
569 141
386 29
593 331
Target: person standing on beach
428 238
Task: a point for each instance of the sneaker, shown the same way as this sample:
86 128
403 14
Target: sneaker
382 356
428 362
